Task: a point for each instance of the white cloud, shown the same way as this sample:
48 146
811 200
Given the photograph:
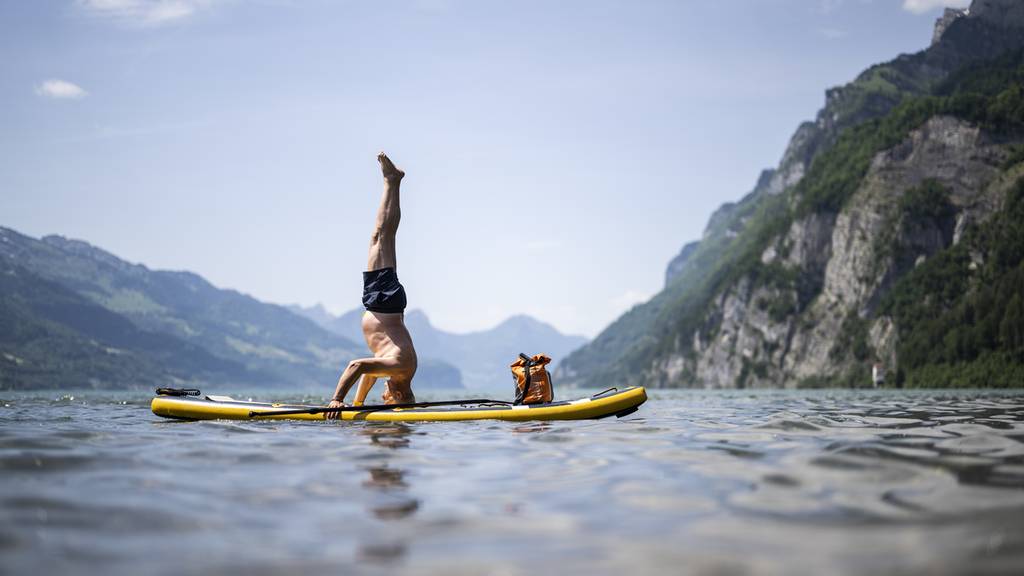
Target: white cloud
148 13
922 6
62 89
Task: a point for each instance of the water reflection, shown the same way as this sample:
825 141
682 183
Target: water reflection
531 427
384 478
394 435
766 482
389 499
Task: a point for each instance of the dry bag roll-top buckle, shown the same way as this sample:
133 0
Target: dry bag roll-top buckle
522 392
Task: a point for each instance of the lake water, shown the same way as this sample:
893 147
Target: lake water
772 482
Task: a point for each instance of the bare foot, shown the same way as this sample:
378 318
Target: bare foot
391 173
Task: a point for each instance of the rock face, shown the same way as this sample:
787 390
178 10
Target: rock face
942 24
1001 13
854 255
752 305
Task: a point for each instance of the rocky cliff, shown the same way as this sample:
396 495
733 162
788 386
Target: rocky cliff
794 283
942 24
858 254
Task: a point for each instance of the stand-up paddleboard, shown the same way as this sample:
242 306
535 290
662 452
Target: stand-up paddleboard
611 402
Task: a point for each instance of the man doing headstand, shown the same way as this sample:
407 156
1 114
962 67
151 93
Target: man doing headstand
384 320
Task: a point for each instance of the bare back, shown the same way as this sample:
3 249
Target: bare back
387 337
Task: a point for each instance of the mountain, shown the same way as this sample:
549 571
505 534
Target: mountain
53 337
483 357
74 315
888 235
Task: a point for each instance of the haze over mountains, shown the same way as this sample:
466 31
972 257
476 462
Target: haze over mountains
890 235
75 316
483 357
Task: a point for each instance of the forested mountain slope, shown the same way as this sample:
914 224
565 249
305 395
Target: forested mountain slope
851 253
73 315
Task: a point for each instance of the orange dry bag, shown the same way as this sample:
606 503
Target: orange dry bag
533 381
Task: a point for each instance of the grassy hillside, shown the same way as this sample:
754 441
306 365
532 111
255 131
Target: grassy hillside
77 315
52 337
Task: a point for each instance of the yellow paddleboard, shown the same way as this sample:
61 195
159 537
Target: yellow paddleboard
611 402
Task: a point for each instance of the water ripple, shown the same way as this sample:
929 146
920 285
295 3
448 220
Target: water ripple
775 482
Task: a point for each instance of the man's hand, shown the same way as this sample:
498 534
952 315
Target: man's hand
334 404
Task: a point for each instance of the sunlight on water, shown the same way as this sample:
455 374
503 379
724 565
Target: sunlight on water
827 482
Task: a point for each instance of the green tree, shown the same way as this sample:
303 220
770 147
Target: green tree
1011 330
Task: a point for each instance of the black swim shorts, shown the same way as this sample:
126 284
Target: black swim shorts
382 292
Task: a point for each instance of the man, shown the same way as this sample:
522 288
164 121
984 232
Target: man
384 320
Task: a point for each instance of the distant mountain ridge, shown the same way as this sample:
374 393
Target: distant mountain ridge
482 356
884 236
73 315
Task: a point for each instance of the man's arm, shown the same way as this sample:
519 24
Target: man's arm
365 383
355 370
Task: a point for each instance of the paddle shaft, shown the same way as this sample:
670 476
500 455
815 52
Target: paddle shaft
372 408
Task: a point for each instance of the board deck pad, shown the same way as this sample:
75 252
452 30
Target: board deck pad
603 404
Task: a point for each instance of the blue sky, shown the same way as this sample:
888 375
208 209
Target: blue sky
558 153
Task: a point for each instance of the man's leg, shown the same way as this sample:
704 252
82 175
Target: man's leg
382 243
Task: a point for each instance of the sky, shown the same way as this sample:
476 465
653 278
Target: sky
558 154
